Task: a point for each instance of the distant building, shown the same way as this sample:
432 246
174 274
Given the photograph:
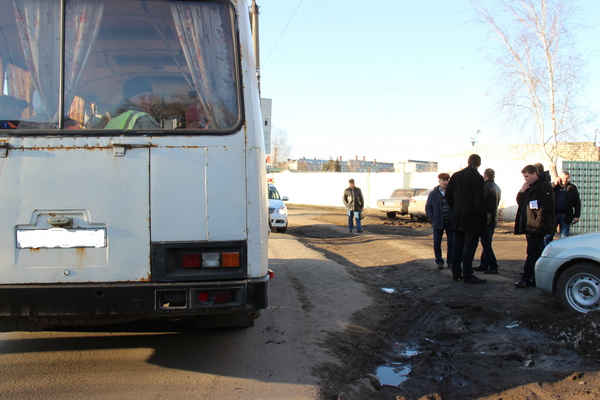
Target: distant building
356 165
416 166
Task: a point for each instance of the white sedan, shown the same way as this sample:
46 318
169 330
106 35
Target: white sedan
278 214
570 268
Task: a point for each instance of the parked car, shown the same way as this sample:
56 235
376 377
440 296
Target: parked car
416 205
397 203
570 268
277 210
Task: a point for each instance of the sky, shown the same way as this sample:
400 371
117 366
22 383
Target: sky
391 80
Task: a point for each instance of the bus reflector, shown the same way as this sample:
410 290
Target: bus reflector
191 260
203 297
230 259
222 297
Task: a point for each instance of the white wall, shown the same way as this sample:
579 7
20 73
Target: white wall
327 188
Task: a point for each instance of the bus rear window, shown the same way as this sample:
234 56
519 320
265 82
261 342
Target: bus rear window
131 65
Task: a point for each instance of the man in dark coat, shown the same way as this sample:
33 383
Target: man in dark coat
438 212
535 219
354 202
567 205
465 198
491 198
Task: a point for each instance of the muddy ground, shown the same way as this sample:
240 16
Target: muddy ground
426 336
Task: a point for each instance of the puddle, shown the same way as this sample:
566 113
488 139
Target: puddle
398 369
393 375
389 290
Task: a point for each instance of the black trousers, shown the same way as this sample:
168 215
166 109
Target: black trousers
534 251
465 246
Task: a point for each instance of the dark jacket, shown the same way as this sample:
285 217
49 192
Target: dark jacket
464 195
433 208
534 221
491 198
353 199
572 202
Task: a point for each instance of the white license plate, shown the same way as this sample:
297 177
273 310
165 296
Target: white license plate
60 238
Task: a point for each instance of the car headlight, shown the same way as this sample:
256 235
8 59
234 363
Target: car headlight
282 210
547 250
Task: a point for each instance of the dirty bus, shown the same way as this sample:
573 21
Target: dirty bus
132 177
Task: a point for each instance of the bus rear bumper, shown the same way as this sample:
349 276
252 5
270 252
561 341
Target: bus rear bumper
78 304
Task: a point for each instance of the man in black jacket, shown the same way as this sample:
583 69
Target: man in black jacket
535 219
354 202
464 195
567 205
491 195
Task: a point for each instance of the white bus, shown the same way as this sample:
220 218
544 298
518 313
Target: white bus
132 164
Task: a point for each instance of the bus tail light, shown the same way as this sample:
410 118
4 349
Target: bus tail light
191 260
211 260
230 259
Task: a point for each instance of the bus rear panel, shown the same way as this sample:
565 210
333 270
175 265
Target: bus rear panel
132 168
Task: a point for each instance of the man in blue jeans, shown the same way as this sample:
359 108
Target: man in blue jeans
439 213
354 202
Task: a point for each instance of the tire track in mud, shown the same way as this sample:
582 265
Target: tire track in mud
465 346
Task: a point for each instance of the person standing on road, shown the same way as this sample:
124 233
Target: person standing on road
491 200
438 212
535 219
465 198
354 202
567 205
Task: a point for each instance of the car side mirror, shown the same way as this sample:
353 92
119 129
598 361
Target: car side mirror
284 198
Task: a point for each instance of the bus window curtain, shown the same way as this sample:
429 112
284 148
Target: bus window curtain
202 37
39 32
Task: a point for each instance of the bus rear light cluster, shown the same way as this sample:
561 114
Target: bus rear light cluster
215 297
211 260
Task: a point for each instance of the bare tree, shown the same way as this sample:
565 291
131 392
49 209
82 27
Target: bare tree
539 71
281 148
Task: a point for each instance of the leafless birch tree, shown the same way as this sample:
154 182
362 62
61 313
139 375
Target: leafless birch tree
281 148
539 70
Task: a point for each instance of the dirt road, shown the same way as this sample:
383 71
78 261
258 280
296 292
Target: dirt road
425 336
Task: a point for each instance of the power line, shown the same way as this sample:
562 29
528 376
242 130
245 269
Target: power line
281 35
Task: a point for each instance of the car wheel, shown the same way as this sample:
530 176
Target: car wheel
579 288
391 214
282 230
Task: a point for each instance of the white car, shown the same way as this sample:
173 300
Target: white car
570 268
277 210
416 206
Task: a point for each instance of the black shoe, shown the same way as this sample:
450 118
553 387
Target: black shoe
481 268
473 279
457 278
440 266
359 231
491 272
521 284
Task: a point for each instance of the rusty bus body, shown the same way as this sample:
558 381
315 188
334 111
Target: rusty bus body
161 215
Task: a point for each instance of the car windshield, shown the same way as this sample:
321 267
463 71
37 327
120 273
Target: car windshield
403 193
273 193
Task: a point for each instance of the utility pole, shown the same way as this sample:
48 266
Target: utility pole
255 39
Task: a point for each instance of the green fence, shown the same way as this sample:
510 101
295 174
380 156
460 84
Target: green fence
586 176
